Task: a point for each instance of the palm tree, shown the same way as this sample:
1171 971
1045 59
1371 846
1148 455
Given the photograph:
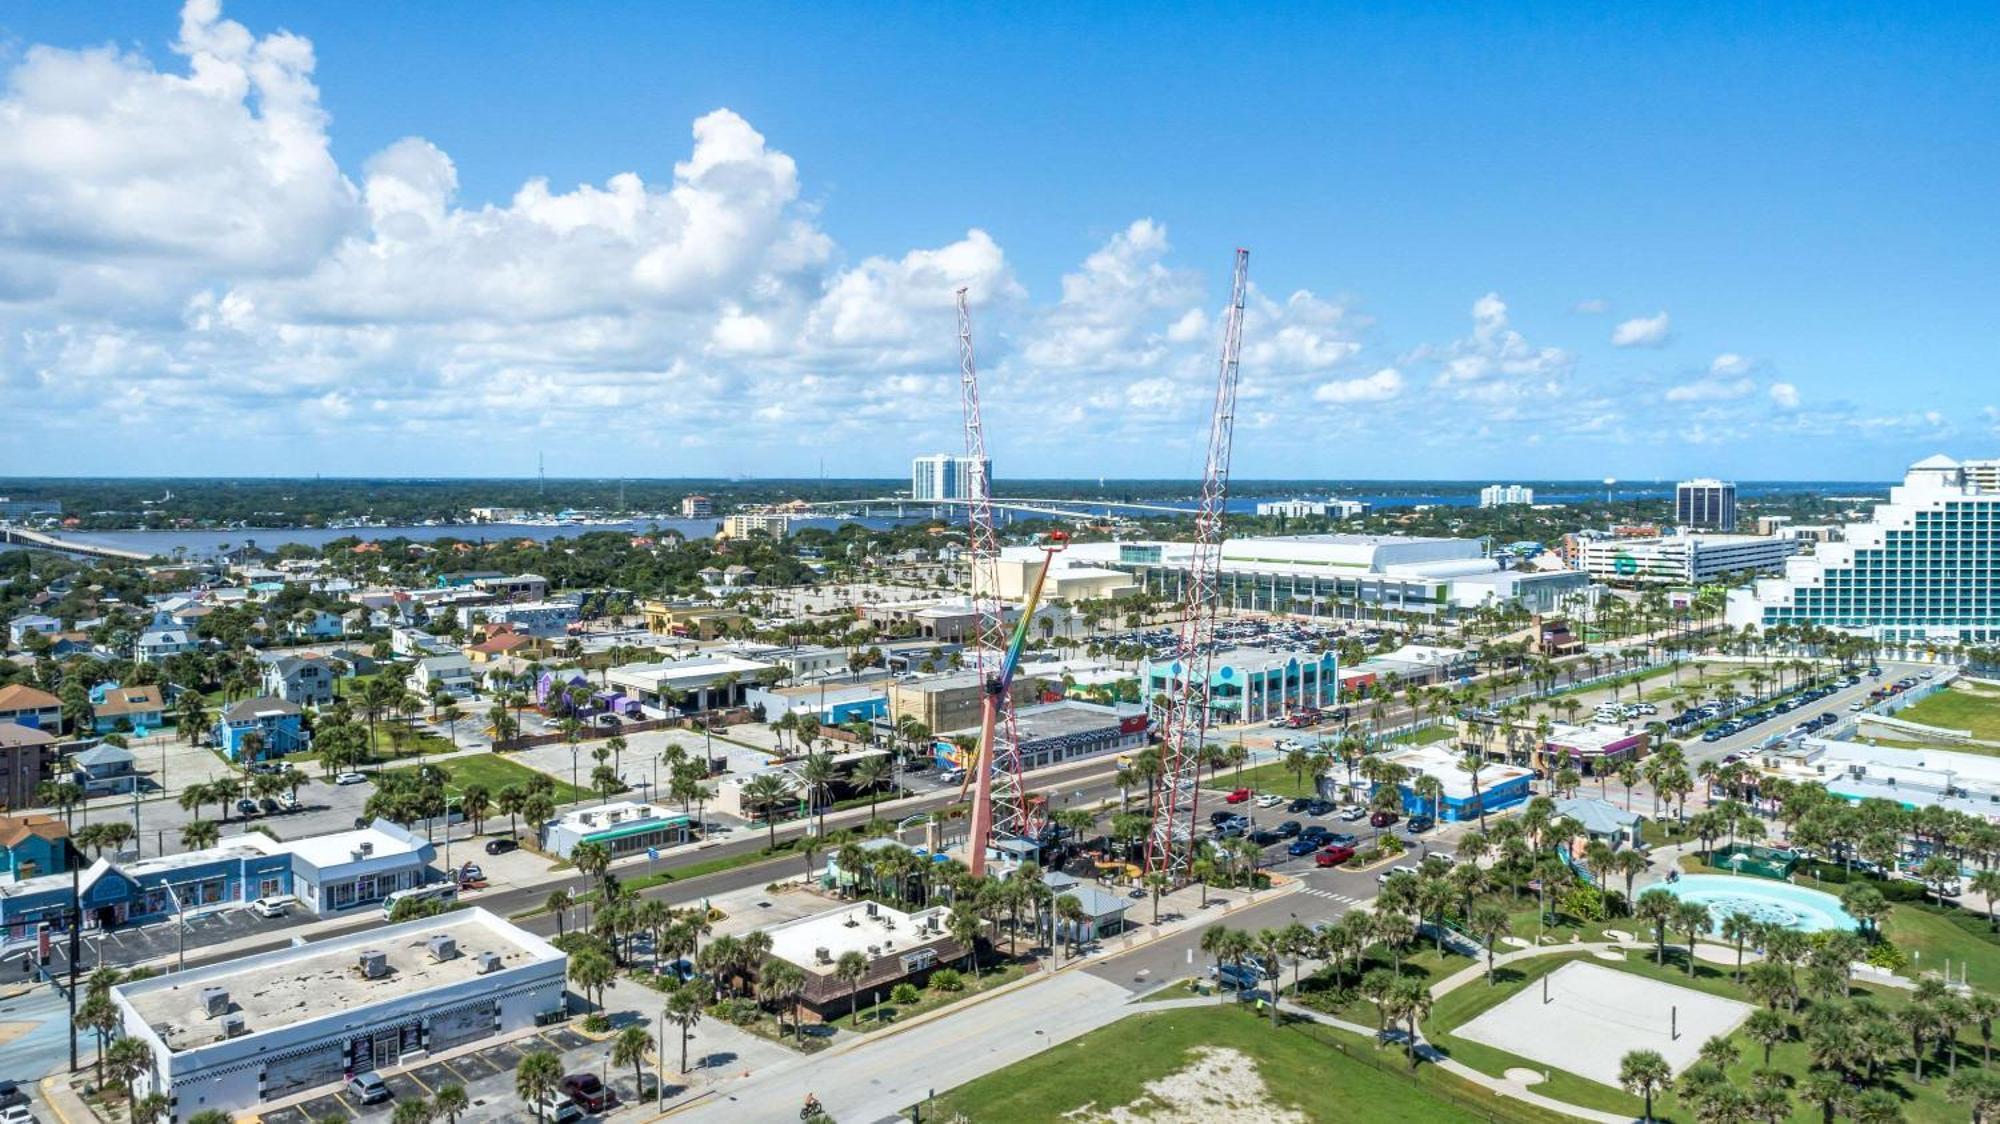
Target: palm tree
1644 1073
849 969
1411 999
763 793
629 1048
591 860
684 1009
536 1078
819 773
1491 921
418 1111
198 835
870 774
1657 906
128 1059
451 1100
559 903
1693 919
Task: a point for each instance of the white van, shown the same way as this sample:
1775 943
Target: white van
444 893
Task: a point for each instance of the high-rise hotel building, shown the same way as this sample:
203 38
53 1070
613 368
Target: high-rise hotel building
943 476
1926 567
1707 504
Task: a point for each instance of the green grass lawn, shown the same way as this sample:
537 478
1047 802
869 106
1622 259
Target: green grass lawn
1268 778
494 773
1425 736
1930 936
1323 1075
1956 709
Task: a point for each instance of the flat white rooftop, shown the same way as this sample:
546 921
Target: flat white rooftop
851 928
296 985
1440 761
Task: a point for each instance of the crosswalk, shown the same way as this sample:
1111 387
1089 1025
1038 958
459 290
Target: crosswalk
1329 895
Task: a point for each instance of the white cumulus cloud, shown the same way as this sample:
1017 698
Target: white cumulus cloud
1642 331
1381 386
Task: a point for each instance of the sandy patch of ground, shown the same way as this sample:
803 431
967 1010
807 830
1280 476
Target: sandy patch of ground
1219 1084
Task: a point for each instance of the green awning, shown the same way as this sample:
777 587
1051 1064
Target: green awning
642 827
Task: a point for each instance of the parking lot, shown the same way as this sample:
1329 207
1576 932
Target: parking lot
487 1075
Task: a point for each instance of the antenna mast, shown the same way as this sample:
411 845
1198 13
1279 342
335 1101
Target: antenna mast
1170 845
999 803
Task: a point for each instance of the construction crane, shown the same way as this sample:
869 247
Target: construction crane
999 800
1170 844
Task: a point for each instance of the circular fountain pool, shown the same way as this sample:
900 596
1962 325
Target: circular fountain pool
1777 903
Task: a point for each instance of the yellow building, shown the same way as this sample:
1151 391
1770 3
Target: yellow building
702 622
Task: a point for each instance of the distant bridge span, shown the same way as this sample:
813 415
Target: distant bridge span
26 537
1061 509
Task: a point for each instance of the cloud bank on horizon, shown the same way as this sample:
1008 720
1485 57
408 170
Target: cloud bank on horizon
180 253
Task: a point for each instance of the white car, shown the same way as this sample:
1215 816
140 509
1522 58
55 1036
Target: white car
1270 800
271 907
350 777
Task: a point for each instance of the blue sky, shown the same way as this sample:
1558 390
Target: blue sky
1783 213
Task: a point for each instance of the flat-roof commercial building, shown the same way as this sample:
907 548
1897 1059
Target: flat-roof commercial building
624 828
540 619
1924 567
899 947
1069 579
1055 732
1500 785
1914 778
236 1035
1251 684
1343 575
704 682
1591 750
1684 559
743 524
950 702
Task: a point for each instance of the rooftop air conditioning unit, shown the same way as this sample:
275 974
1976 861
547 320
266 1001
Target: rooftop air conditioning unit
589 819
871 909
374 963
822 956
874 950
489 962
442 947
366 847
613 816
214 1001
232 1025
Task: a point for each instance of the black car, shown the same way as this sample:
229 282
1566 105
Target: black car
1264 837
500 846
1289 829
1314 831
1320 807
1419 824
1221 817
1299 805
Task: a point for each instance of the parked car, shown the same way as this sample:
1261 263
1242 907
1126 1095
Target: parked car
1290 829
1319 807
1314 831
1333 856
1265 837
1234 977
1298 806
470 872
500 846
1383 818
557 1108
289 803
1419 824
246 807
682 970
590 1094
1270 800
269 806
367 1088
1303 845
350 777
272 906
1237 797
16 1114
1354 814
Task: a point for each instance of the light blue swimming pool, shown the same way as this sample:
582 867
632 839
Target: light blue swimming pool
1779 903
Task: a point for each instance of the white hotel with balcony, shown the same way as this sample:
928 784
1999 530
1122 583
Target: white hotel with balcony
1925 568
